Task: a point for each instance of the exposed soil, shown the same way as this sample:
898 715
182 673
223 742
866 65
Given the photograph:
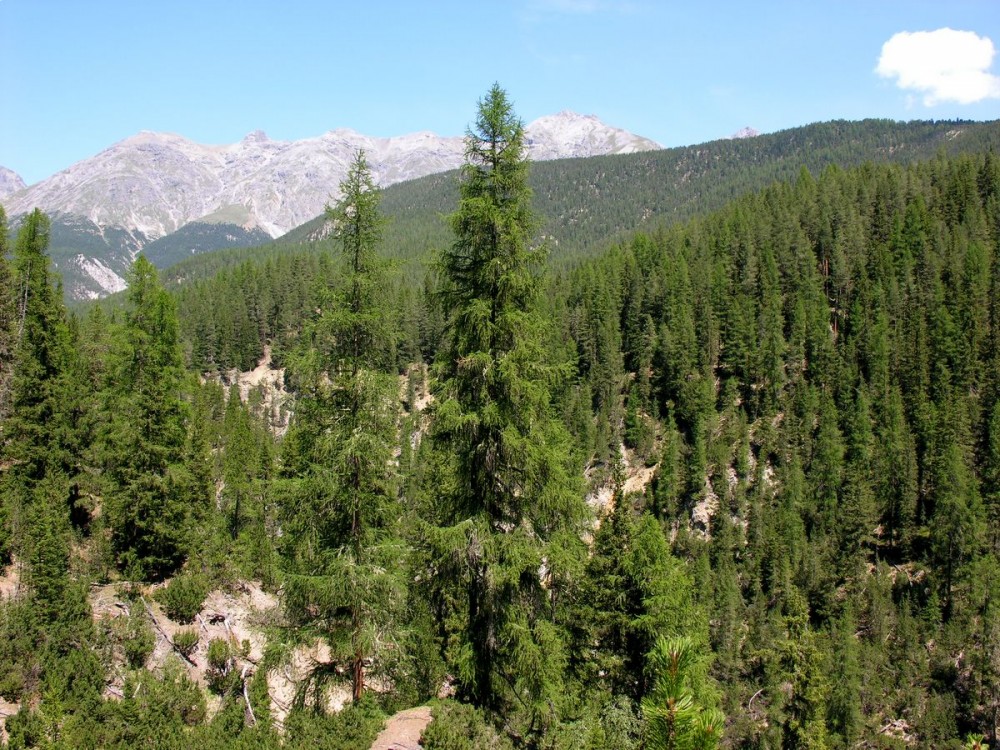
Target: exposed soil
6 709
637 479
402 731
234 617
10 581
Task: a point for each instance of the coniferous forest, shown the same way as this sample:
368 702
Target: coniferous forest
732 482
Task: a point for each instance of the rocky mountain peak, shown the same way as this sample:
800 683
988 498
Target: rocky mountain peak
10 182
158 182
746 132
568 133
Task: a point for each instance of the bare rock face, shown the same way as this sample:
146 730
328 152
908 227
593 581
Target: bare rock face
10 182
568 134
157 182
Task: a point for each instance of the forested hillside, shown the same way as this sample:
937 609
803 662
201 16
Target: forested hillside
808 373
585 204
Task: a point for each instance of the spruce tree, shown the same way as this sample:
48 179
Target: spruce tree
35 496
34 437
154 485
991 478
514 505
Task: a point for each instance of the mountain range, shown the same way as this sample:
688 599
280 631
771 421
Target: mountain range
582 203
147 187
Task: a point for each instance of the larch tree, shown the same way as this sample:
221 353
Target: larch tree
514 504
6 318
344 553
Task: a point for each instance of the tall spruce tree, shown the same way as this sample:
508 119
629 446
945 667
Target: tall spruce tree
154 485
34 436
35 495
344 552
514 505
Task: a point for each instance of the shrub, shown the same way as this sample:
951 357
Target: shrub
138 642
457 726
221 674
183 597
357 725
186 641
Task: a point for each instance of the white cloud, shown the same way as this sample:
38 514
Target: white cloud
944 65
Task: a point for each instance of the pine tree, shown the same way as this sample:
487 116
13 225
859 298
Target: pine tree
676 715
514 503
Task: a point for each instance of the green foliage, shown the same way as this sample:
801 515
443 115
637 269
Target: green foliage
359 323
675 715
37 432
7 318
155 711
138 641
356 726
513 505
221 670
154 483
186 641
199 237
458 726
344 558
814 366
183 597
635 592
620 727
16 646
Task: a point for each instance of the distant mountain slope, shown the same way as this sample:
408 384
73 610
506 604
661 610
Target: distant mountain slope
158 182
10 182
151 185
202 237
586 203
93 261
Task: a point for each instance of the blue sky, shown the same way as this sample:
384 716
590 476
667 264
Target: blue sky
79 75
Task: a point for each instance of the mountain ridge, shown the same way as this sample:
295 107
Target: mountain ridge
583 205
156 183
10 182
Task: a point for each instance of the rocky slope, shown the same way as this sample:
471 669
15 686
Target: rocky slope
156 183
10 182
